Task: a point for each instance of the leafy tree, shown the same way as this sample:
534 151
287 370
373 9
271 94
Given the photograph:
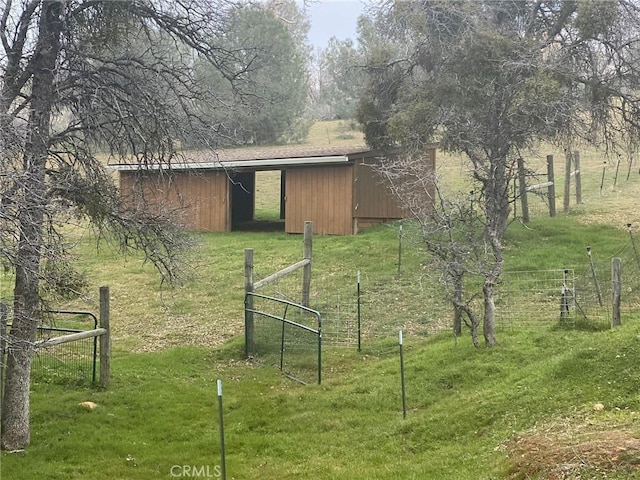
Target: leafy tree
295 19
84 81
340 79
490 79
274 83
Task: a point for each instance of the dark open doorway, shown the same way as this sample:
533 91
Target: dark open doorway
258 201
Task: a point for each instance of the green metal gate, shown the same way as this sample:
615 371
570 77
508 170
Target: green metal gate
286 334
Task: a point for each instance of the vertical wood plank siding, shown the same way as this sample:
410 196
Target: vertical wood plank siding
338 199
323 195
198 201
372 198
373 201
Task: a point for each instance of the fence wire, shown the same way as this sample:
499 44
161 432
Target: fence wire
381 309
524 299
72 362
287 335
68 363
414 300
530 299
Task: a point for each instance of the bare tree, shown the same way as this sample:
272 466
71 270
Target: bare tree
450 227
84 81
491 79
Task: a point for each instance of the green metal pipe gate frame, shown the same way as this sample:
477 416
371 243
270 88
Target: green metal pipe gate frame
68 330
42 329
250 311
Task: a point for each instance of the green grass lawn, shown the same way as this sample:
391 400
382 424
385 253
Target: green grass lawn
466 409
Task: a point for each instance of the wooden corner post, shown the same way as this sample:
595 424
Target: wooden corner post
576 169
552 186
105 338
249 345
522 186
306 270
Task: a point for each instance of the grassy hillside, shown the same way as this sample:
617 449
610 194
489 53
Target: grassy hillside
558 404
547 402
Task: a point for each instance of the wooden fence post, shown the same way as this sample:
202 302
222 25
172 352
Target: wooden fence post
306 270
522 185
249 346
576 166
105 339
552 186
567 181
616 284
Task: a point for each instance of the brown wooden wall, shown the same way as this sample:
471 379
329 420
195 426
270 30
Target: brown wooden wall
199 200
323 195
338 199
372 198
373 201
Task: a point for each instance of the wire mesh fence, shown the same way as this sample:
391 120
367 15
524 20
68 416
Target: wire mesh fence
594 285
71 362
537 202
287 335
366 309
531 299
379 307
66 363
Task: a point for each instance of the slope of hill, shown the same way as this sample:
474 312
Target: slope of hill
547 403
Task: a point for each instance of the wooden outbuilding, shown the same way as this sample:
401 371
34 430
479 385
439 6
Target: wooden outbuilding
336 188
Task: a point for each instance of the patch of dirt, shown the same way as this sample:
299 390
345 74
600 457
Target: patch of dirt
569 450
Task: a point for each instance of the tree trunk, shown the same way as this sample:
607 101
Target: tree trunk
461 307
15 405
457 311
496 191
489 314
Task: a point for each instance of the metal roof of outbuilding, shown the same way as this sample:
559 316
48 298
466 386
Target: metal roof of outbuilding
253 158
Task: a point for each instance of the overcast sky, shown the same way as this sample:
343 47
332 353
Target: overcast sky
333 18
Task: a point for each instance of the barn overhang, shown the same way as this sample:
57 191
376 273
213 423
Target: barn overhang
261 164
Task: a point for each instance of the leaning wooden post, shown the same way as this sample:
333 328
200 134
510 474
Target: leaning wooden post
306 270
249 345
522 186
576 166
552 186
105 338
567 182
595 278
616 284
